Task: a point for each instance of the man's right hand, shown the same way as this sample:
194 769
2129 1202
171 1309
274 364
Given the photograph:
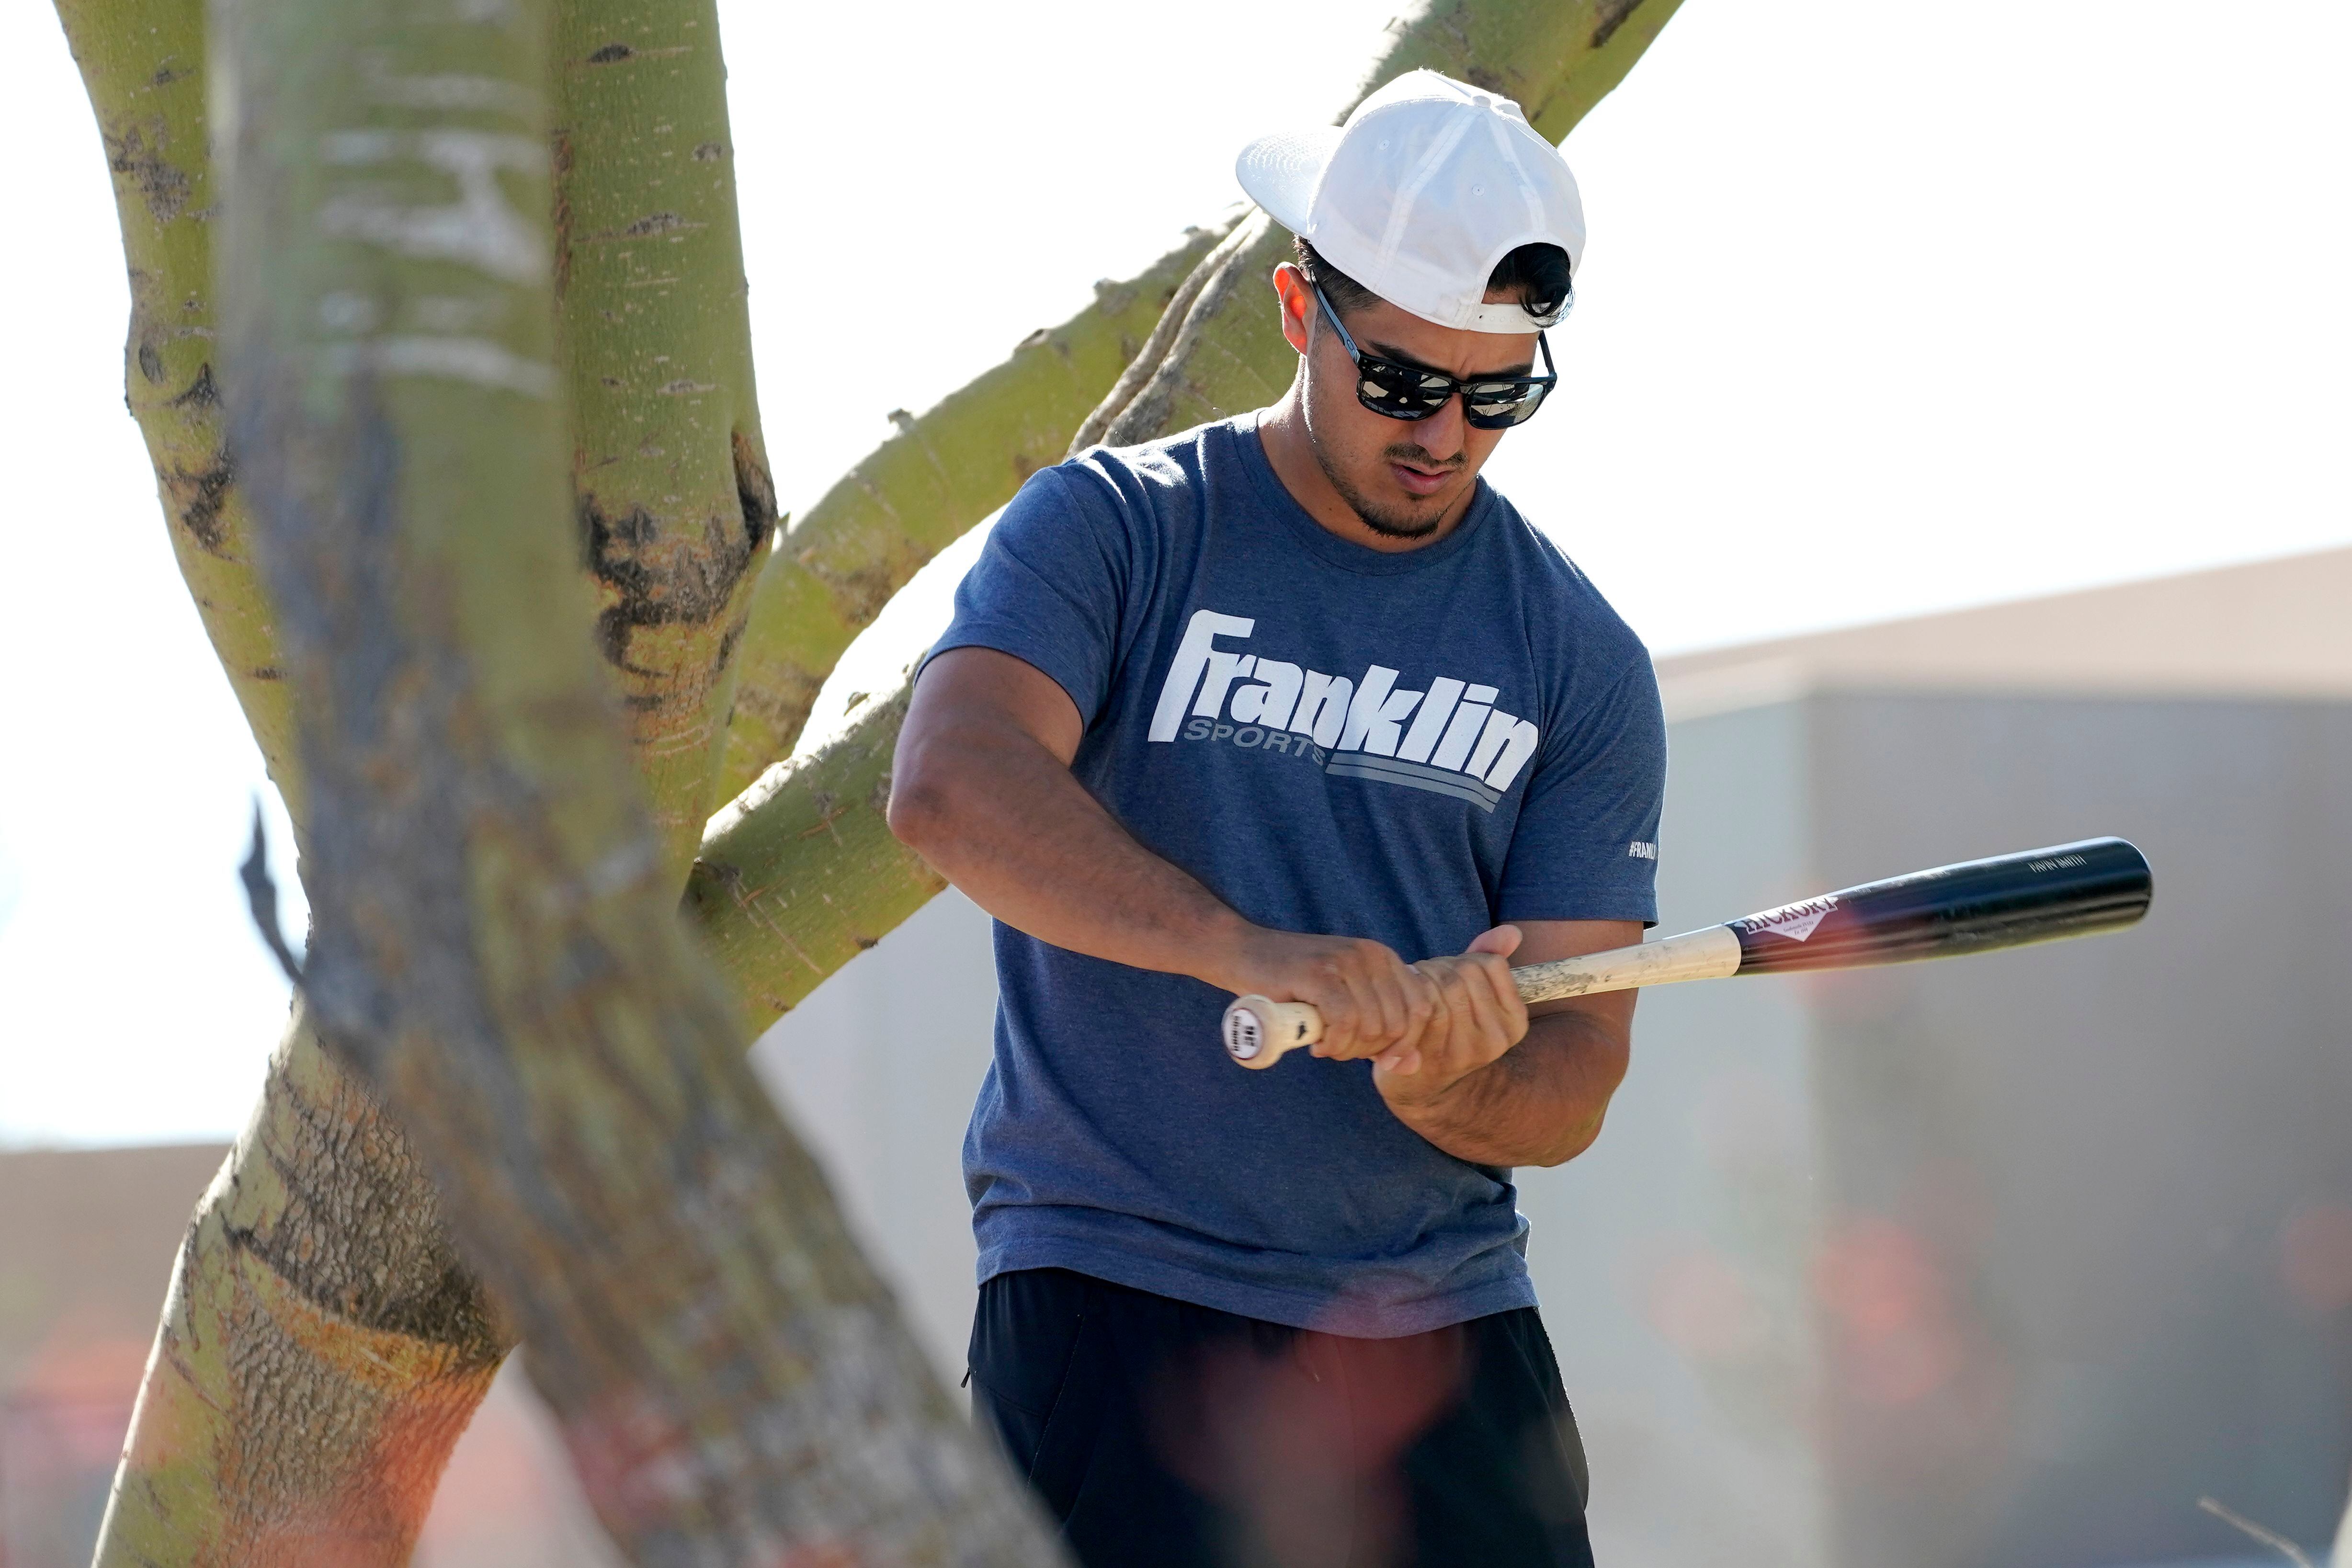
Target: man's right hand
1371 1000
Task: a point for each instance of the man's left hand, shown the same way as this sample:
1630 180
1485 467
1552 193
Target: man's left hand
1479 1017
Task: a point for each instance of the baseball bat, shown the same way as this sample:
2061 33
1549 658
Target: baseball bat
1976 906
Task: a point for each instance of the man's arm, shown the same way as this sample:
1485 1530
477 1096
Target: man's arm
982 788
1496 1082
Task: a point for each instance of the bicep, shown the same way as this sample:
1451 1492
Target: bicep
975 695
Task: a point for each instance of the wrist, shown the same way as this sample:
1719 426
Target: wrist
1233 949
1422 1101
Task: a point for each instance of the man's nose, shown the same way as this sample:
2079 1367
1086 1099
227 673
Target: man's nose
1441 434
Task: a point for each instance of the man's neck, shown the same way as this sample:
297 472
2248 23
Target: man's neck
1290 450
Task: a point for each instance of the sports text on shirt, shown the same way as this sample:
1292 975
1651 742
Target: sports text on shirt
1458 743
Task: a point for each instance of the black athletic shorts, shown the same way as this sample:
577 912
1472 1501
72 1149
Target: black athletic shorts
1163 1435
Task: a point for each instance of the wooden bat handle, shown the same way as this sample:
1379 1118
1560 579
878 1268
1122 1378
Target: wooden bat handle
1259 1032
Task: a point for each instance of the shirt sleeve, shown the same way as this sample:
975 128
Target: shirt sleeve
1586 845
1049 587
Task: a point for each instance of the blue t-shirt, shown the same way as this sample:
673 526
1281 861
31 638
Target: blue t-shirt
1409 747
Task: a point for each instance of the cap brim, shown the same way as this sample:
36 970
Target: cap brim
1279 173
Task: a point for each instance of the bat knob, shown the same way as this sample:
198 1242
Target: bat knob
1259 1031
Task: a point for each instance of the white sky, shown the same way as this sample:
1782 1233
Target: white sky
1886 309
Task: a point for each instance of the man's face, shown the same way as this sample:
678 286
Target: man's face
1404 477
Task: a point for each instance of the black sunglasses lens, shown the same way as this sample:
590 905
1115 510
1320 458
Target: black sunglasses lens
1499 405
1404 391
1400 391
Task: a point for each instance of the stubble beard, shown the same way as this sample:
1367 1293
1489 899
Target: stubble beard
1389 522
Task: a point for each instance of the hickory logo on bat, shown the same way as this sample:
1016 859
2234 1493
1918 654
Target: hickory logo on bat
1450 738
1796 921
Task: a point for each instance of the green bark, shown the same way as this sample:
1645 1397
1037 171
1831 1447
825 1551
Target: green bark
802 873
669 476
142 63
495 943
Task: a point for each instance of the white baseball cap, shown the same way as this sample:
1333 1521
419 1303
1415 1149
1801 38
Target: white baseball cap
1424 190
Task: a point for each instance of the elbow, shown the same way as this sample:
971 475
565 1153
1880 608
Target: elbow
1571 1143
920 811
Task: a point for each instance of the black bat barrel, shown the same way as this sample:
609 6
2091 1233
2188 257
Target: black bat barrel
2041 895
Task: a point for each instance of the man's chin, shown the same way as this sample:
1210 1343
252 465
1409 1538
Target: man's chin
1396 515
1401 523
1403 517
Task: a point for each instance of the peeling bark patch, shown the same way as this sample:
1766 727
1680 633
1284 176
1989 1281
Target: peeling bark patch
649 227
754 491
656 581
612 54
163 188
1608 16
198 499
200 393
359 1234
560 158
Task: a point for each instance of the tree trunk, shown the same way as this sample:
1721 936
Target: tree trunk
320 1347
495 944
315 1364
668 620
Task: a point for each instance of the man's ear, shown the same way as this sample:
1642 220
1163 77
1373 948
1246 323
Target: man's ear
1298 297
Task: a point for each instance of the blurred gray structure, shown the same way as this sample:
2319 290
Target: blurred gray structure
1995 1263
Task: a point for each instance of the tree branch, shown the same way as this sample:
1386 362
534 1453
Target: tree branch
143 63
670 478
831 574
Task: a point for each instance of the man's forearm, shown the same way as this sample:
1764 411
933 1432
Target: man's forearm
1539 1103
1021 837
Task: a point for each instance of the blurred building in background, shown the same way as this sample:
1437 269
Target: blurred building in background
2000 1263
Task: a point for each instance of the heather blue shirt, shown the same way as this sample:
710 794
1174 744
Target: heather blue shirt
1409 747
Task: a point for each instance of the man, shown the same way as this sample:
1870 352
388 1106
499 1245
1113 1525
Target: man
1274 705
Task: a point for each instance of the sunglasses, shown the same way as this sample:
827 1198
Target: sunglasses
1408 391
